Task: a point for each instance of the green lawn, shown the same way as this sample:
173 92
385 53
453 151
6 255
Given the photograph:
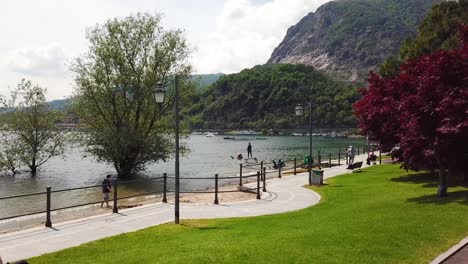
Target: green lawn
381 215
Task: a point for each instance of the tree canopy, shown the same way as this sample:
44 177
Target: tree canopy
424 109
115 80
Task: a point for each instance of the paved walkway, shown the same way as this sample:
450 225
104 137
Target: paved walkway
283 195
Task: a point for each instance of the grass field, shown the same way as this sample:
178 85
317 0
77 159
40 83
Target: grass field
381 215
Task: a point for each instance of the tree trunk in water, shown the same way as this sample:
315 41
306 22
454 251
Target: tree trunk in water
33 168
443 182
125 169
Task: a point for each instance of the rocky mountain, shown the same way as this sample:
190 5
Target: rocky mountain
347 38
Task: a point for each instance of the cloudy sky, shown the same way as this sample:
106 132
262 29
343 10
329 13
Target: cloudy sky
40 38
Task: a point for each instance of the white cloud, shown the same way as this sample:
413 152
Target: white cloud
49 61
247 33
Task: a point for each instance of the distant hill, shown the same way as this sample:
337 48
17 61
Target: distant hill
61 104
346 38
204 80
265 96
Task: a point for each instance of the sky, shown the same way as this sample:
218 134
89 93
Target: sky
41 38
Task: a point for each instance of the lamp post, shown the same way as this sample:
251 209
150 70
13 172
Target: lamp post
299 112
159 94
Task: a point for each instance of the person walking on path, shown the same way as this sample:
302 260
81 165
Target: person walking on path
106 189
249 151
350 153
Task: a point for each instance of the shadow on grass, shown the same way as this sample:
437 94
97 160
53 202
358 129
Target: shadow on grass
428 180
202 227
460 197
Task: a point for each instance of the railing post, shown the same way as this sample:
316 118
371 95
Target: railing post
346 156
258 185
279 169
48 222
261 165
115 209
329 160
216 189
264 179
295 165
339 157
380 155
319 160
165 188
240 174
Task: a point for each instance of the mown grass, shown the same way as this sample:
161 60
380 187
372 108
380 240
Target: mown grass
381 215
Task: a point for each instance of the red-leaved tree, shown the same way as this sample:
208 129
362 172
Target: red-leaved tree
424 109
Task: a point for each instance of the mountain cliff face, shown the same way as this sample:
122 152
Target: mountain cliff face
347 38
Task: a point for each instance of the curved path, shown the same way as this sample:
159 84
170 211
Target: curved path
283 195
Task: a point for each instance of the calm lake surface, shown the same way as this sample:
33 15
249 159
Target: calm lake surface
208 156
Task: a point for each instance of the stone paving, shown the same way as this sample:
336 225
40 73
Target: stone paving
283 195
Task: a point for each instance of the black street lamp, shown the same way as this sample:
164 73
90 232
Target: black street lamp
159 93
299 112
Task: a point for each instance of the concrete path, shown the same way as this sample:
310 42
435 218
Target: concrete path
283 195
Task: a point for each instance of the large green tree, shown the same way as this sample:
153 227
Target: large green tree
30 135
115 80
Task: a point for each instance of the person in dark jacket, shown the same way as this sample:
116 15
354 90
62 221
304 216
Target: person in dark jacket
106 189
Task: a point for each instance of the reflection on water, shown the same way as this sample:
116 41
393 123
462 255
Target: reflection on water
208 156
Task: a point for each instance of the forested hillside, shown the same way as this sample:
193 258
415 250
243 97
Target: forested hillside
265 96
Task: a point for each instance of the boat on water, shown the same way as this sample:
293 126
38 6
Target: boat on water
230 138
210 135
261 138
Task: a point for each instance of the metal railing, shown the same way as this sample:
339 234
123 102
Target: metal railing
248 173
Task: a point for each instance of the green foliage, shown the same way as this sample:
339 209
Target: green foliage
381 215
437 31
115 80
265 96
29 129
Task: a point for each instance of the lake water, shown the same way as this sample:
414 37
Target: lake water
208 156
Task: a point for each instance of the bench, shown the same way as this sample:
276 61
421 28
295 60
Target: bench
355 166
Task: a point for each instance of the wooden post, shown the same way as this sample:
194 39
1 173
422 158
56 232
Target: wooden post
165 188
115 208
48 222
240 174
264 179
216 189
258 185
329 160
295 165
358 150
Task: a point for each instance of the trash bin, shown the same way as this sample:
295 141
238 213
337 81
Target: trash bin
317 177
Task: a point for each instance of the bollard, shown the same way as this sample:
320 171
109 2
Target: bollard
115 209
261 165
258 185
279 169
216 189
295 165
329 160
264 179
165 188
240 174
339 157
319 160
48 223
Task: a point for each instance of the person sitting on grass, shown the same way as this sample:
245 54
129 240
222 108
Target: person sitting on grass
106 189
